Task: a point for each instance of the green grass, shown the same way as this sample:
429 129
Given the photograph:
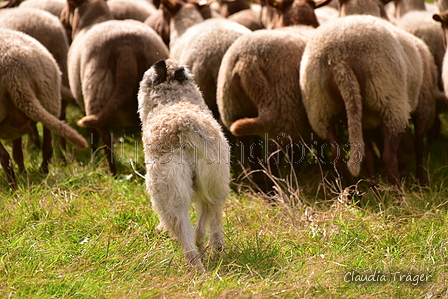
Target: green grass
79 233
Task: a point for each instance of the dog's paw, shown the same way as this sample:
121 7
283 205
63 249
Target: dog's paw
89 121
217 242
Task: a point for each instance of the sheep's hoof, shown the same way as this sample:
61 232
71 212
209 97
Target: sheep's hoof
89 121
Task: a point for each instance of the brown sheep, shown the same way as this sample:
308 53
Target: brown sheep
29 92
373 74
106 62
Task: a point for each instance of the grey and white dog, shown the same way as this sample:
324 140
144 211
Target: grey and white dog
186 156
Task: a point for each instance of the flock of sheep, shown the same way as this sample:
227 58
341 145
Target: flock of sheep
348 72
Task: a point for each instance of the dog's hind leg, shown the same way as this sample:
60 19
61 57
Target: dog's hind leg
203 212
212 193
171 189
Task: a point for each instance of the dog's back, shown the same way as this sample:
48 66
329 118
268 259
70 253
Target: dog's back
186 155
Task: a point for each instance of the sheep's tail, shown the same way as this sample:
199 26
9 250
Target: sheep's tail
25 99
350 90
247 126
124 89
258 90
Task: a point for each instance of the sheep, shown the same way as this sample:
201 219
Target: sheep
326 13
297 12
201 45
186 157
54 7
252 99
242 12
421 24
48 30
257 87
370 72
442 5
249 18
443 19
258 95
230 7
160 20
106 61
137 10
364 7
404 6
29 92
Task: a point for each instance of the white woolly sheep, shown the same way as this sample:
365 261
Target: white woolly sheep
442 5
326 13
106 61
186 156
363 7
54 7
370 72
421 24
201 45
443 19
29 92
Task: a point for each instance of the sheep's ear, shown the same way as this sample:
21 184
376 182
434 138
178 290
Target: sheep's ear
280 5
437 17
441 17
160 70
172 6
179 74
321 3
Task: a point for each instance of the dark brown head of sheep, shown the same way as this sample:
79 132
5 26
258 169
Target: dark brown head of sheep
88 11
297 12
443 19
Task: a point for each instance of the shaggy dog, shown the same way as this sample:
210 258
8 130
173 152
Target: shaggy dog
186 156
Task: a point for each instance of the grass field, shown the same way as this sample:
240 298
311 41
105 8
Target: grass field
78 233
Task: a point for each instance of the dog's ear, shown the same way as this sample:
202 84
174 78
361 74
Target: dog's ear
160 70
179 74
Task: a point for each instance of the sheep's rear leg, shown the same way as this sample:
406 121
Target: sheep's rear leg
390 156
106 137
337 155
62 142
17 154
47 150
369 159
34 135
252 155
419 148
6 162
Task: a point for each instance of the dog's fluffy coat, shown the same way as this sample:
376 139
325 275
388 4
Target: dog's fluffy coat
186 156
